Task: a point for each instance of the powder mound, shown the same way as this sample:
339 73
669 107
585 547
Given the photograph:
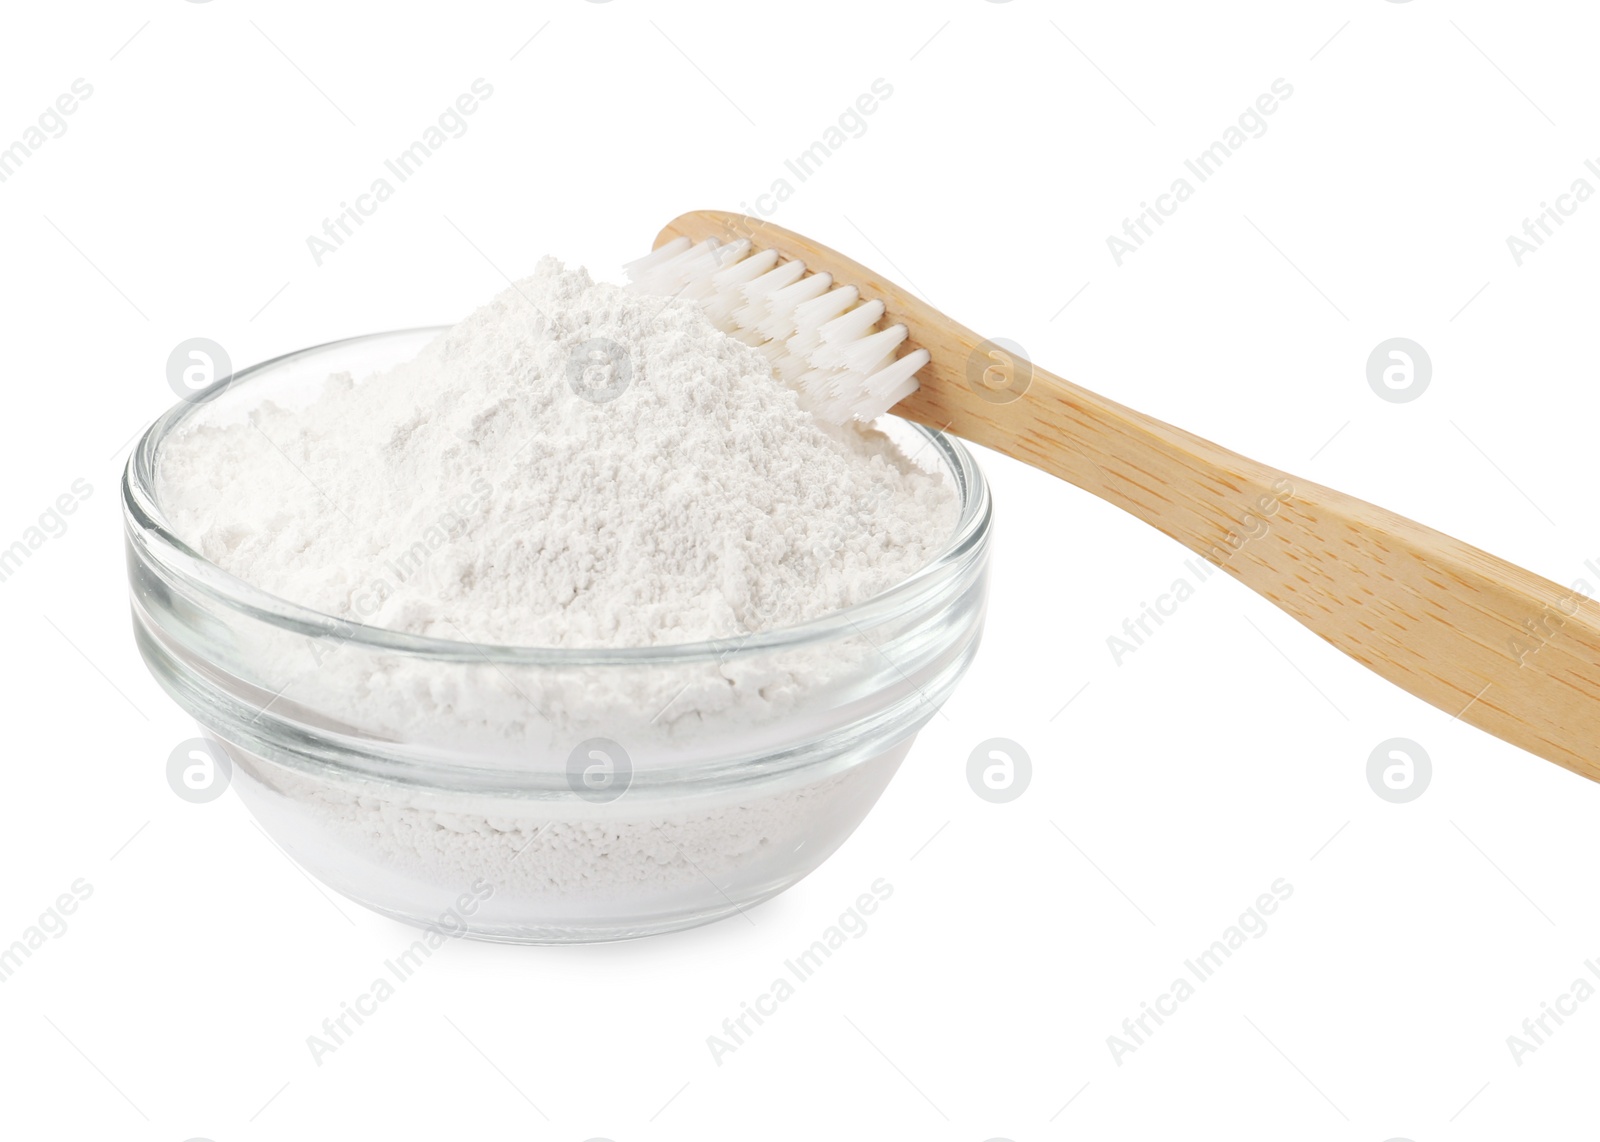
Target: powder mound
572 465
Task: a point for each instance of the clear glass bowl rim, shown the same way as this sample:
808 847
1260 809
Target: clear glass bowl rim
143 514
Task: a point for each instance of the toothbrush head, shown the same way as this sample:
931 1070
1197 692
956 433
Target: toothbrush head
821 335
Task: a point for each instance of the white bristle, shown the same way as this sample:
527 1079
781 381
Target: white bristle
872 366
651 261
863 356
757 293
821 385
672 266
837 336
853 324
819 340
826 307
667 277
813 315
778 322
752 267
785 366
780 278
701 275
749 337
894 382
694 265
727 293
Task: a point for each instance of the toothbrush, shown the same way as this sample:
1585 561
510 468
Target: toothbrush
1482 639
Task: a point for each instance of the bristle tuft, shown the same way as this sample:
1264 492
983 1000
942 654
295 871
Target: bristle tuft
823 341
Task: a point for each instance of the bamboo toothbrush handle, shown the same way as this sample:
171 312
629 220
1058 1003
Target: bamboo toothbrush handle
1482 639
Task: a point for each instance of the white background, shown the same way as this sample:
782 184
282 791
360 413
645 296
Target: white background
1229 751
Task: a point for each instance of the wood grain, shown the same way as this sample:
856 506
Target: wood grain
1482 639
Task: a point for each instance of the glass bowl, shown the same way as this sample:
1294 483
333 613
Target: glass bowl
533 794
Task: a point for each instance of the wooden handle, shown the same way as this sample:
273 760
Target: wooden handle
1482 639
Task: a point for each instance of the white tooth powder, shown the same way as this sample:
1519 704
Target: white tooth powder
574 465
588 859
700 502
